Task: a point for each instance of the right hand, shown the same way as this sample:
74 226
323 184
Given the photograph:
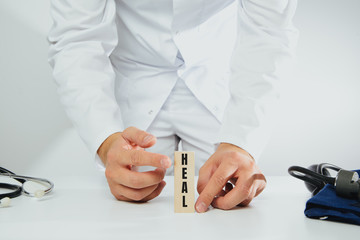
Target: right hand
121 153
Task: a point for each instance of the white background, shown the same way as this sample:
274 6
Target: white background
320 119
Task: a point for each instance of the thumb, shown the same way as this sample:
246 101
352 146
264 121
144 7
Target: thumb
139 137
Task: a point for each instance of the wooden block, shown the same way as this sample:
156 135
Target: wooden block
184 174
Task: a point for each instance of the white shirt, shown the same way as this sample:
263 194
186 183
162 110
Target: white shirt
116 61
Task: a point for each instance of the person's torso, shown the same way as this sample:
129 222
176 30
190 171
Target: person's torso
160 41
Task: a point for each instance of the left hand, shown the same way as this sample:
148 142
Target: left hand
229 165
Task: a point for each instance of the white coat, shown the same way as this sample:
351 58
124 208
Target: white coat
116 61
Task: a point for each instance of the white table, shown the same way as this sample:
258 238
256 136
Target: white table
83 208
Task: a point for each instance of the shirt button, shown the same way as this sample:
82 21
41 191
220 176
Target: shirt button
215 109
150 112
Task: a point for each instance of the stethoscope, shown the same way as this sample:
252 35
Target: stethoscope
17 190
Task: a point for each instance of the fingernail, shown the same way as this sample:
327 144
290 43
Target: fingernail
147 139
165 162
201 207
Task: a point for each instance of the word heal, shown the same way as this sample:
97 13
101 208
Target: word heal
184 174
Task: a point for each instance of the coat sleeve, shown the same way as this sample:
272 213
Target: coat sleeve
82 37
261 59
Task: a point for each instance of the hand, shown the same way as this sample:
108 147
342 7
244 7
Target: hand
228 166
121 153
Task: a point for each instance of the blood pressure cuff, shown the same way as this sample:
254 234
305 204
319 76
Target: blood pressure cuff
326 205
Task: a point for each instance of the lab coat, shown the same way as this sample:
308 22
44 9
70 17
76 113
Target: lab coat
116 61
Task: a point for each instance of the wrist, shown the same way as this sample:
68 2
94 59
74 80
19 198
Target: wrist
231 147
105 146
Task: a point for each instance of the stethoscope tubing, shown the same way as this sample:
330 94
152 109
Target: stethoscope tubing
17 190
22 180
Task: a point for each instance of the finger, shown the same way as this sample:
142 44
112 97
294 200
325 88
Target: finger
250 197
122 198
116 192
243 193
155 193
205 173
120 191
262 185
238 194
214 186
228 187
259 186
139 137
138 180
143 158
